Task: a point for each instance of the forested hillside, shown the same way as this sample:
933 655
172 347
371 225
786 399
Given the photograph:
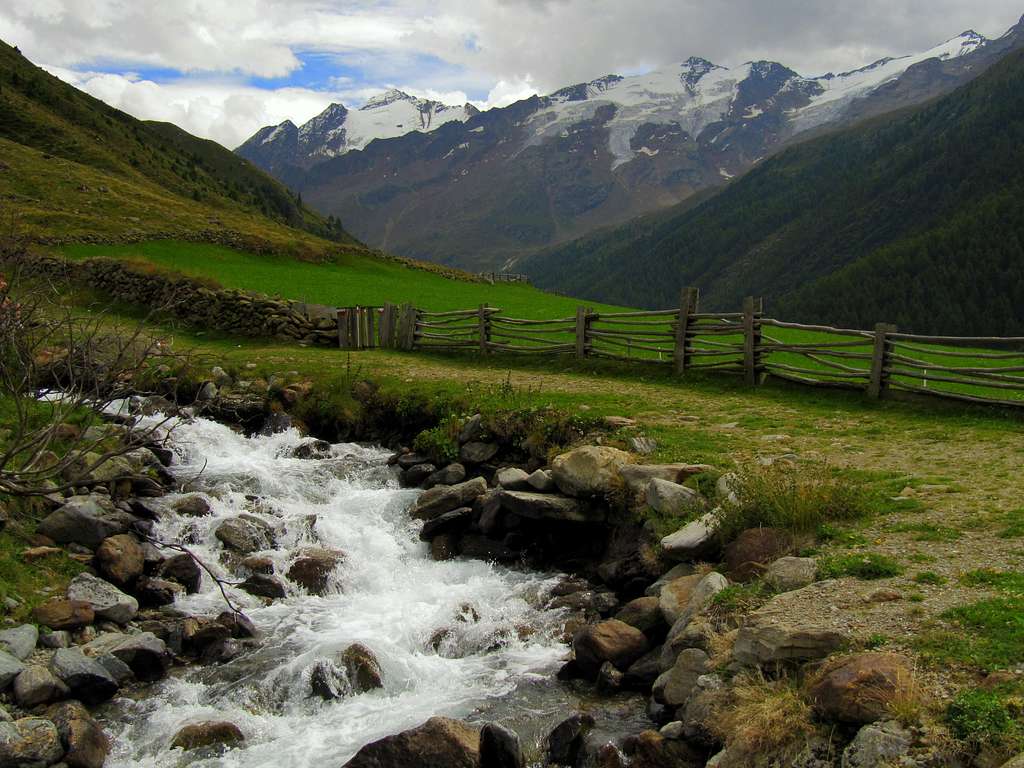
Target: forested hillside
916 219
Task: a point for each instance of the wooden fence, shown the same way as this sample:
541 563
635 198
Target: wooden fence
505 277
879 362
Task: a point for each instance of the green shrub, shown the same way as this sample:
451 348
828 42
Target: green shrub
1005 581
989 719
875 641
867 565
797 499
929 577
440 444
741 598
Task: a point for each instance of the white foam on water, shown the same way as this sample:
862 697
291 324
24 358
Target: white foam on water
390 596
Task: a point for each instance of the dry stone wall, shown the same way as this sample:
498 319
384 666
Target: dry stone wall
198 305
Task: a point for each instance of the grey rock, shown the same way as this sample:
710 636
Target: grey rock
789 573
542 481
4 716
453 474
54 640
82 520
19 641
548 506
409 460
566 740
207 392
671 498
592 470
693 540
413 477
29 742
120 671
512 479
443 499
145 654
37 685
456 520
477 452
472 430
245 534
86 677
773 635
676 572
637 476
881 743
673 730
183 570
10 668
643 445
675 686
724 488
106 600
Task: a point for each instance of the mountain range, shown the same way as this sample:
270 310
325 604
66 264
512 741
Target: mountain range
483 190
915 218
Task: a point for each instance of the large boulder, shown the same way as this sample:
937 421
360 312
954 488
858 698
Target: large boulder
107 601
219 736
789 573
513 479
453 474
649 749
445 498
592 470
611 640
10 668
645 614
83 520
121 559
59 613
675 596
438 743
262 585
313 567
245 534
88 680
548 506
695 540
674 686
85 744
192 506
748 555
477 452
637 476
354 670
670 498
859 688
783 631
37 685
450 522
19 641
145 654
29 742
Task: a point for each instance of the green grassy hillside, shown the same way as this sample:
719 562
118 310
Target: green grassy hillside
916 219
351 279
72 167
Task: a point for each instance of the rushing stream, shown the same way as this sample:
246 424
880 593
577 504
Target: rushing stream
390 596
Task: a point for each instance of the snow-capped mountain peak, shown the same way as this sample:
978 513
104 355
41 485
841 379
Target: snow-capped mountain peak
386 99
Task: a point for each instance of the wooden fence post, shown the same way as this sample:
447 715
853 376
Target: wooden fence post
484 327
687 306
385 329
582 324
342 329
879 360
750 340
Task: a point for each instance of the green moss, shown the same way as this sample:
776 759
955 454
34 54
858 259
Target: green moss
35 582
1004 581
990 719
737 599
990 634
929 577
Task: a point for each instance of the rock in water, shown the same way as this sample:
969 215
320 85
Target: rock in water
219 735
611 640
438 743
500 748
566 740
85 743
313 568
183 570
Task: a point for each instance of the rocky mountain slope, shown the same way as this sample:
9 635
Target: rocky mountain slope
915 219
283 148
506 182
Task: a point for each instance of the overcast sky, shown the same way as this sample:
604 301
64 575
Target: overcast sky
224 68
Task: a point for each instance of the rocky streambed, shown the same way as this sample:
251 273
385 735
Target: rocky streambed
286 601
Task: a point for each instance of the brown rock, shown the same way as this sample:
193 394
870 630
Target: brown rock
611 640
314 567
438 743
444 547
61 613
675 596
85 743
650 749
748 556
860 688
121 559
644 613
210 734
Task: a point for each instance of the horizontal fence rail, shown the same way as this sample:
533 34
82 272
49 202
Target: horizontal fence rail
880 362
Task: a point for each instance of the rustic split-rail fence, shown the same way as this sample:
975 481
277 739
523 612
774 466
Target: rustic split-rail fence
879 362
